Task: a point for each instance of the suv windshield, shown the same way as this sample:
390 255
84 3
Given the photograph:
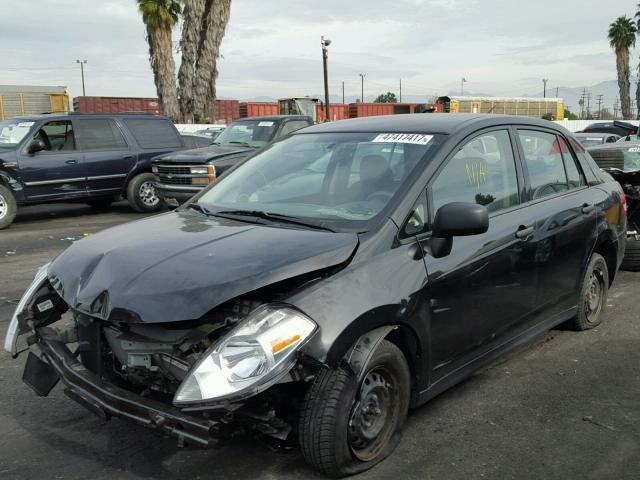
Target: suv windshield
338 180
625 158
251 133
13 131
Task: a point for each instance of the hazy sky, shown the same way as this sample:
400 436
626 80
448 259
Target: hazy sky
272 47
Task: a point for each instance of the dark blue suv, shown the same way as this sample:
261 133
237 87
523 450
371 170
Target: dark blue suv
88 158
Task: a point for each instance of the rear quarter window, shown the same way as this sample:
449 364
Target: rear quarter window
153 133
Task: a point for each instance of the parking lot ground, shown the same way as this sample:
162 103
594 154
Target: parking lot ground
564 407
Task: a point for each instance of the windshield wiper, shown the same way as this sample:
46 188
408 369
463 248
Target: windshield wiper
240 143
199 208
274 217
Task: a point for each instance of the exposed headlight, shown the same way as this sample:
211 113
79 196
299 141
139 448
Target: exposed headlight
154 169
249 358
11 340
199 170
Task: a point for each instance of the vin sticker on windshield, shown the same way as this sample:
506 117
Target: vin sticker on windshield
414 138
25 124
634 150
265 124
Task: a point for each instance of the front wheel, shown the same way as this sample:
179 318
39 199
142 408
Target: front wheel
8 207
347 426
593 295
142 195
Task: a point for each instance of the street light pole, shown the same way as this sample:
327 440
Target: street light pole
462 82
82 63
544 92
325 54
362 75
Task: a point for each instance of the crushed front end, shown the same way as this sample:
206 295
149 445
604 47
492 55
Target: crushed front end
236 368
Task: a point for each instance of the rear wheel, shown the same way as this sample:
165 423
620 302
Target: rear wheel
631 260
347 426
142 195
8 207
593 295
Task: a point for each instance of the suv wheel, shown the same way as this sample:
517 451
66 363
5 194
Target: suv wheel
142 195
348 426
593 295
8 207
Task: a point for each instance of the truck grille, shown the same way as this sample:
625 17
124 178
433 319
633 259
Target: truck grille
181 175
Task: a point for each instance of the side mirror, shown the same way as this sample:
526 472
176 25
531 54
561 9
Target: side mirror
36 145
456 219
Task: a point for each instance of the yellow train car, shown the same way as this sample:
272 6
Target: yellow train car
528 107
17 100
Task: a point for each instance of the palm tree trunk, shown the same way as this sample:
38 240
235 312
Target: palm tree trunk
638 91
164 68
191 26
622 66
215 19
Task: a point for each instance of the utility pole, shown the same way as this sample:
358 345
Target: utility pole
600 97
343 93
544 91
557 89
462 82
400 100
582 98
615 108
82 64
325 54
362 75
588 104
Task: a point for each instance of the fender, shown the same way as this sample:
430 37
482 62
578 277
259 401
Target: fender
359 356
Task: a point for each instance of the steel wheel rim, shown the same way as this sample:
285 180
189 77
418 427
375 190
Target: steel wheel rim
4 208
148 194
374 416
593 299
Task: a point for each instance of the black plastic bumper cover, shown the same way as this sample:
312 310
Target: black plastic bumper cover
108 400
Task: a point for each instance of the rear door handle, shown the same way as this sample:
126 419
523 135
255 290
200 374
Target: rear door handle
524 232
588 208
71 161
128 157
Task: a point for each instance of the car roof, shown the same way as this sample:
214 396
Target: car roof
446 123
75 115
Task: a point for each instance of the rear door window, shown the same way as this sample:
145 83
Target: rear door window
573 172
153 133
99 134
544 163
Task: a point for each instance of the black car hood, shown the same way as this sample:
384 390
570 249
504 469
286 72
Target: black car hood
180 265
205 154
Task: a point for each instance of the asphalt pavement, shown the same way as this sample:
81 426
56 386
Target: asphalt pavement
564 407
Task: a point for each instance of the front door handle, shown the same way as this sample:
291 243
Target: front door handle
524 232
128 157
71 161
588 208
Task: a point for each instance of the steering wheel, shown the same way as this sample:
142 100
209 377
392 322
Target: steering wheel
544 190
384 196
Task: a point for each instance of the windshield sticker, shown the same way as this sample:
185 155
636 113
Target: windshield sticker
634 150
265 124
26 124
594 139
414 138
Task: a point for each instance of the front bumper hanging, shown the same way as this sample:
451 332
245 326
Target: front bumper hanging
107 400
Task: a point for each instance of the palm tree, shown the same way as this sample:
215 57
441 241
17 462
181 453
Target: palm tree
191 27
637 17
214 23
622 36
159 17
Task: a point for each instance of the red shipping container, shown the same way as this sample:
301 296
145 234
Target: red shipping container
227 111
337 111
258 109
357 110
116 105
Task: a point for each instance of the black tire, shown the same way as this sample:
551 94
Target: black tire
334 414
8 207
631 260
142 195
100 203
593 295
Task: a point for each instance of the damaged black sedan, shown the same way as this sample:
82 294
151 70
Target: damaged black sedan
322 288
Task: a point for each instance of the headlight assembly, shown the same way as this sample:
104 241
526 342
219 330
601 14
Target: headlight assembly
15 330
249 358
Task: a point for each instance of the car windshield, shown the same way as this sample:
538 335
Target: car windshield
625 158
251 133
343 181
591 141
13 131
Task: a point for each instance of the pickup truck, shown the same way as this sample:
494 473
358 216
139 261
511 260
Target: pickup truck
180 175
81 158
